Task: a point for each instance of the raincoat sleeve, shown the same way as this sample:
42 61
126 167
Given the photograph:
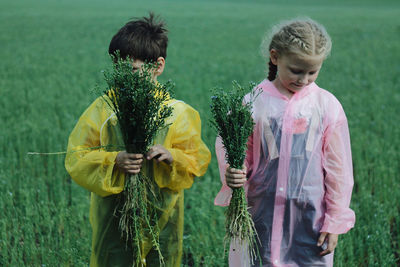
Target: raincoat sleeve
191 156
337 164
223 197
92 169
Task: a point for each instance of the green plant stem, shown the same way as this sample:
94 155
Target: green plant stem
239 225
138 216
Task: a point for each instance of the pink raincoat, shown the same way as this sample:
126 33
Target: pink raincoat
300 176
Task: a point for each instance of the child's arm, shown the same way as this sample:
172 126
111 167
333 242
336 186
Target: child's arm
235 178
337 163
189 155
91 168
231 178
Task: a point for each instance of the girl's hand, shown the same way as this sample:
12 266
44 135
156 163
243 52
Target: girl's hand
235 178
159 153
331 241
128 162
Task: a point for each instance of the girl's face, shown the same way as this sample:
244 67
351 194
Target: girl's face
295 71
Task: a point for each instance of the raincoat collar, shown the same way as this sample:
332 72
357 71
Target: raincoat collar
269 87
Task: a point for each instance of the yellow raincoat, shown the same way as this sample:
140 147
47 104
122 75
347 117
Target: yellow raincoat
94 170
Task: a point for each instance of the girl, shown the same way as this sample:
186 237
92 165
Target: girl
298 170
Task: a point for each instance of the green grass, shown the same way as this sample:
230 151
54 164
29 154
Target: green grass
51 56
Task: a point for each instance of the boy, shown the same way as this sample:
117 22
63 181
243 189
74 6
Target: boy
178 155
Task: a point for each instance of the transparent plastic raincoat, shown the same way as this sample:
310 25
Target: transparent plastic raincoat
300 176
94 170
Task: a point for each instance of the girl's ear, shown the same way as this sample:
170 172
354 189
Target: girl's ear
273 55
160 66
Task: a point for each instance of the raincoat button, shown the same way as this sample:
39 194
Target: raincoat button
281 189
276 261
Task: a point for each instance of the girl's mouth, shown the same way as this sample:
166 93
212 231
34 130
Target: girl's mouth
298 85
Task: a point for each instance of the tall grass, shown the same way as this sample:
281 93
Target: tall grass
51 56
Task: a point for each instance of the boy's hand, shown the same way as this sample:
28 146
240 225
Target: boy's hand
128 162
235 178
159 153
331 241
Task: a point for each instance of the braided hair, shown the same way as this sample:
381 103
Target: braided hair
299 36
272 70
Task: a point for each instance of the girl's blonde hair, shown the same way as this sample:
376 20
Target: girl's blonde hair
299 36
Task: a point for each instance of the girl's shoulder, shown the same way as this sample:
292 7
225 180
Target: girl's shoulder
266 86
330 106
327 98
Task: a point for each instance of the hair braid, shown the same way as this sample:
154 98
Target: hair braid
272 70
295 38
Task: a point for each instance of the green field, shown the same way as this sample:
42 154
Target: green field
51 55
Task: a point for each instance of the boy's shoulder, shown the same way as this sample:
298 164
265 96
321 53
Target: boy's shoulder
98 110
180 109
100 105
180 106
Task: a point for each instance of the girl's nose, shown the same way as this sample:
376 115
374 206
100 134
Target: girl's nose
302 79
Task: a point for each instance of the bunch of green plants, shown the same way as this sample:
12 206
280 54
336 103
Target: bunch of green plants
231 118
140 106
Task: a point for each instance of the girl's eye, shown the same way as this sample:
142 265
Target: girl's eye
312 72
295 71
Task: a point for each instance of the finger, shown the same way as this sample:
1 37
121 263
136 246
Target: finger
133 167
321 238
134 162
236 171
128 163
132 156
153 154
235 185
235 182
162 157
153 148
239 176
325 252
227 168
332 244
156 146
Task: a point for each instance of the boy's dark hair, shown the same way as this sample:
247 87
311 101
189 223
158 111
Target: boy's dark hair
145 39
